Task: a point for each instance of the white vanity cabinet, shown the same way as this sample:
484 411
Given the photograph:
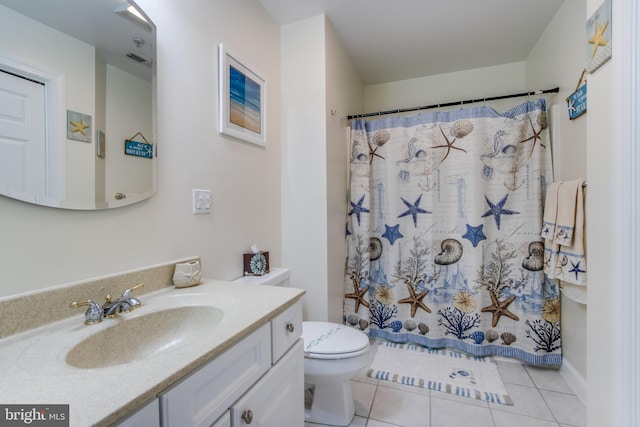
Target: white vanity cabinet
224 421
148 415
277 400
248 384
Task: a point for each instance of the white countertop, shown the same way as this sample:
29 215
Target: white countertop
34 371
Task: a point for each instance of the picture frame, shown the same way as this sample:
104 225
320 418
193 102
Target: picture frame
79 126
242 100
598 34
100 139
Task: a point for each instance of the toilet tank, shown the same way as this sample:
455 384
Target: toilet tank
275 277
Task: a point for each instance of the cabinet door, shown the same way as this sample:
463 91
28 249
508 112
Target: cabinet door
205 395
286 328
278 398
147 416
224 421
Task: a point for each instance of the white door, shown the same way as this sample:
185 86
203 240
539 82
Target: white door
22 137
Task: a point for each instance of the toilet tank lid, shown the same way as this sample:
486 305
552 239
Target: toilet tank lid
332 338
274 277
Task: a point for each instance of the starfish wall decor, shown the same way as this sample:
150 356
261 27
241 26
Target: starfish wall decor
79 126
599 32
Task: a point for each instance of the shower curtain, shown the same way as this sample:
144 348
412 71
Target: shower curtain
443 232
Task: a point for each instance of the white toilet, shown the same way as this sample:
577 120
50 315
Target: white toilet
333 354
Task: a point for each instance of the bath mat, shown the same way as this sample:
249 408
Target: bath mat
441 370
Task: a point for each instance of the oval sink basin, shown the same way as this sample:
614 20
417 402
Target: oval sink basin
140 337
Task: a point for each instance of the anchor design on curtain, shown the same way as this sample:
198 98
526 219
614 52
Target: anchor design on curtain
443 232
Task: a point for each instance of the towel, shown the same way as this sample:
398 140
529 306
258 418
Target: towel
563 231
573 260
551 249
550 211
566 212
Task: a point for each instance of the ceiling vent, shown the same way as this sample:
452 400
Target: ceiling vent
136 58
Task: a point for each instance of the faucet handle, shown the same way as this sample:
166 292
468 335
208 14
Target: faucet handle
93 314
128 291
133 302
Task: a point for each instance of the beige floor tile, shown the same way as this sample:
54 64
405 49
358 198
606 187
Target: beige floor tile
363 394
567 408
526 401
450 413
400 407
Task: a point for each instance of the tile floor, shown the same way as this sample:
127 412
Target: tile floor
541 399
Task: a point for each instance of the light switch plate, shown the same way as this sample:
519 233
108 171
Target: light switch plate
201 201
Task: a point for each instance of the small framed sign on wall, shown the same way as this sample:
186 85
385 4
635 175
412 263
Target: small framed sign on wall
100 151
242 99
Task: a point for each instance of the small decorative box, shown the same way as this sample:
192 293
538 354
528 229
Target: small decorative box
256 264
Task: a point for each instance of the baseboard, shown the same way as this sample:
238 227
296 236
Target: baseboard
576 381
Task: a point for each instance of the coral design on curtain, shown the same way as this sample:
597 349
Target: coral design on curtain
443 232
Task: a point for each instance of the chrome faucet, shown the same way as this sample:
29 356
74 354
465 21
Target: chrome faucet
93 314
109 309
133 302
124 304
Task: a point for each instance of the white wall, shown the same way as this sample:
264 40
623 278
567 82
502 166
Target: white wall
128 111
304 188
43 247
99 124
317 78
345 96
557 59
443 88
600 348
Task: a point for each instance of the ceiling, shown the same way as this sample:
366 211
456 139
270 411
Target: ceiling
391 40
95 23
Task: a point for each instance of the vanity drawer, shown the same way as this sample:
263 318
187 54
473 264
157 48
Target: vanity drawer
286 328
205 395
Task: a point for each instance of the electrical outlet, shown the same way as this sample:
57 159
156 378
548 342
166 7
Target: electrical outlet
201 201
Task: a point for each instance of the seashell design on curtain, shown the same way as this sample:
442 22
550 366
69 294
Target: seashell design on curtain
443 232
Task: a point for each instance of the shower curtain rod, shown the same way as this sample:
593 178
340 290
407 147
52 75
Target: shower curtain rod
450 104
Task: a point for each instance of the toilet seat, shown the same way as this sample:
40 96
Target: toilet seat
324 340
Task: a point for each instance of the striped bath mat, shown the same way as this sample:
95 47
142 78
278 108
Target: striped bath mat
438 369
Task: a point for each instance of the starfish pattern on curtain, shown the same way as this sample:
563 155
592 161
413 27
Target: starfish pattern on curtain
443 232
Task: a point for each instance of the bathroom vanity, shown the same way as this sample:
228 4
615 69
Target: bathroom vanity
219 354
258 381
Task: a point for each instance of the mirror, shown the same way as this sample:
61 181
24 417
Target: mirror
77 103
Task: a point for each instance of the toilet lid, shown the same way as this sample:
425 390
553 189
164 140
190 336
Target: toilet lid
323 340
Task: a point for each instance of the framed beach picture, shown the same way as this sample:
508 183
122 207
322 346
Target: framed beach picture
242 95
